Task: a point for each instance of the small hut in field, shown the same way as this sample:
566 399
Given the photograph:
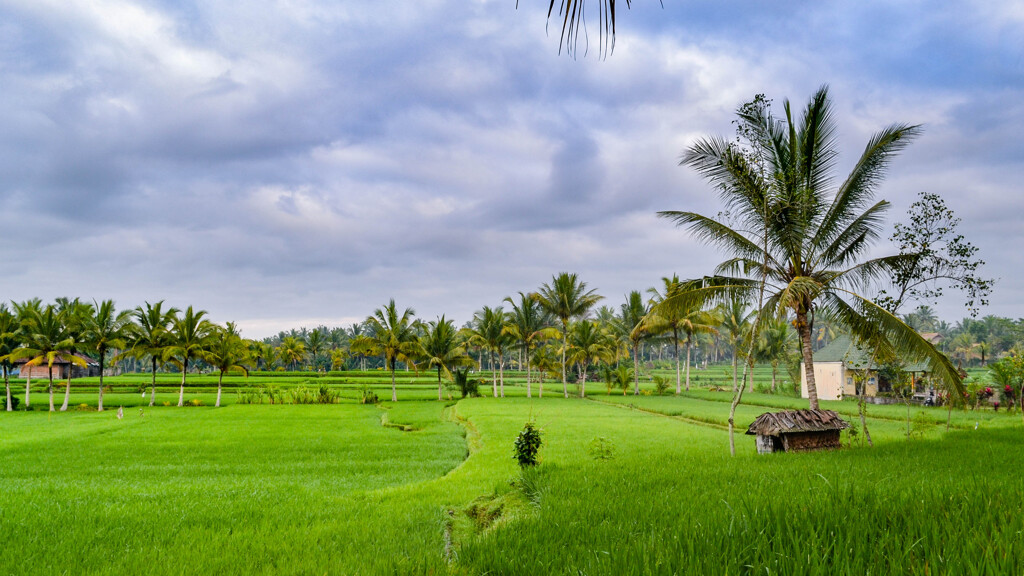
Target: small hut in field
792 430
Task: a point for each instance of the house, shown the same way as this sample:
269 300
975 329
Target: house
841 367
794 430
61 366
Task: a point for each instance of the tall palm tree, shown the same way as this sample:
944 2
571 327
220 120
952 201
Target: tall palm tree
588 343
788 226
8 342
106 328
190 336
226 351
488 332
393 336
529 325
75 314
565 298
630 323
151 337
439 348
773 342
45 338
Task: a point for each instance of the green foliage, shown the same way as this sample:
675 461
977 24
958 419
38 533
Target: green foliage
527 445
468 387
661 385
601 448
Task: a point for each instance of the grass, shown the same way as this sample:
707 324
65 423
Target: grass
627 485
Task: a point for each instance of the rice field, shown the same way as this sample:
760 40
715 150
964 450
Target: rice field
626 485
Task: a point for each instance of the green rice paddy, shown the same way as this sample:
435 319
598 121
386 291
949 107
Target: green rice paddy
627 485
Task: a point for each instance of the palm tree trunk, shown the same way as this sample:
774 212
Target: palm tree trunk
675 350
28 389
565 387
775 370
394 391
636 372
529 390
152 389
99 405
181 392
501 371
220 381
734 381
688 345
49 388
583 387
804 329
67 391
439 382
494 375
7 387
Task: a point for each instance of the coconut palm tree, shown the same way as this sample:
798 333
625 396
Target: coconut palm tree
589 344
190 337
150 336
106 328
24 311
529 325
630 324
787 225
45 338
488 332
316 343
292 351
8 342
75 314
735 323
393 336
439 348
226 351
774 340
566 298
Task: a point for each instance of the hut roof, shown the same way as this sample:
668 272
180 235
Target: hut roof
774 423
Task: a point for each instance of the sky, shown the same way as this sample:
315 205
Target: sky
297 163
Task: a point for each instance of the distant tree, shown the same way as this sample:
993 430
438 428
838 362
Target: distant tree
292 351
106 328
736 321
316 344
190 338
25 311
566 298
338 358
488 332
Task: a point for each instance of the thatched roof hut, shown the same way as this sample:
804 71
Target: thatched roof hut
797 430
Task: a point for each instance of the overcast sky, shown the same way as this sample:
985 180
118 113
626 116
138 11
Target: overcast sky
299 162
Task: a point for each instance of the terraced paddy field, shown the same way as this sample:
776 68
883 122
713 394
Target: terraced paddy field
627 485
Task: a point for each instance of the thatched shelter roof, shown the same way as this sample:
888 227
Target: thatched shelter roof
788 421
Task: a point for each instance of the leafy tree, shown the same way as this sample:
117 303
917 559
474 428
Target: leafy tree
316 344
24 312
106 328
338 358
774 342
934 256
439 348
813 239
736 322
488 332
393 336
226 351
190 337
565 298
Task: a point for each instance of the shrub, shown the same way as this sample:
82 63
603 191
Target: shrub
467 386
14 402
194 402
368 396
527 445
327 396
602 448
84 408
661 385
